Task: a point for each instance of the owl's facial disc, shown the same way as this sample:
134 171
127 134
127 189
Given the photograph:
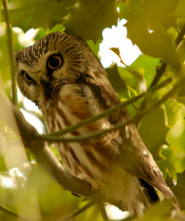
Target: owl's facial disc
40 81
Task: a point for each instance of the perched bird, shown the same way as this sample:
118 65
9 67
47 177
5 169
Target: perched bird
67 82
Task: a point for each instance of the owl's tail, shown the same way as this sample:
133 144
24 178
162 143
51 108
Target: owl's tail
152 197
137 203
149 192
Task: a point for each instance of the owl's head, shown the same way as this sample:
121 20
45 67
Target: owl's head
53 61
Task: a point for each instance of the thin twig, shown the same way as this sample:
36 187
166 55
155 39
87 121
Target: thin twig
159 73
160 70
103 211
83 138
11 53
105 113
10 212
180 36
78 212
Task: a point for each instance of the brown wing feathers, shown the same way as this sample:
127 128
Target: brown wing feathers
134 157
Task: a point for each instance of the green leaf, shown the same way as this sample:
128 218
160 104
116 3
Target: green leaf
38 13
148 25
174 111
4 52
153 131
63 202
173 154
117 82
176 138
161 11
179 190
4 58
88 18
147 66
42 32
180 93
133 77
181 49
180 9
120 78
156 43
123 9
94 47
158 212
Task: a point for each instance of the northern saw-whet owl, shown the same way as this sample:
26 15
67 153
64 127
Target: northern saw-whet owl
67 82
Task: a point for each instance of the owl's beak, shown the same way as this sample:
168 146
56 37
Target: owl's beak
47 86
50 87
56 83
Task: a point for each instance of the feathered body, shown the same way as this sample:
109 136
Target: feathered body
67 82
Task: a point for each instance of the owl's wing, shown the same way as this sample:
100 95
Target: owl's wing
134 157
137 160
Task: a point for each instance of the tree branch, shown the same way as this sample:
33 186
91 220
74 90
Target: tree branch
48 161
78 212
41 151
11 53
103 211
10 212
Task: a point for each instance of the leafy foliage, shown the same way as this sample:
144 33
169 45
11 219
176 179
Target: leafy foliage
91 17
155 26
34 14
150 21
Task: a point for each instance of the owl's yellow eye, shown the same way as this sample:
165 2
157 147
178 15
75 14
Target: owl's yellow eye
27 78
54 62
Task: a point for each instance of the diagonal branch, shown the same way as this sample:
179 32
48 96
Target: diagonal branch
78 212
107 112
10 212
41 151
103 211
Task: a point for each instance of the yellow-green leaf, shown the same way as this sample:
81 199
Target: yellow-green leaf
88 18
